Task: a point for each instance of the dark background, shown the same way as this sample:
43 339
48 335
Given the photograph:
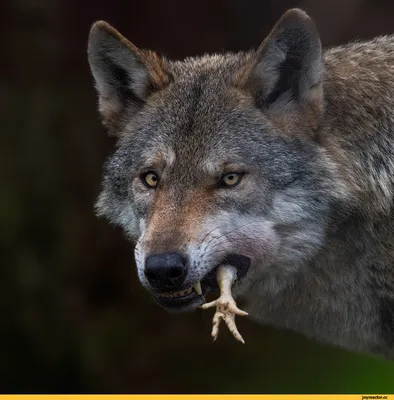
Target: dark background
73 315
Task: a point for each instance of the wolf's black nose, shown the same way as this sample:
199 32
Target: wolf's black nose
166 271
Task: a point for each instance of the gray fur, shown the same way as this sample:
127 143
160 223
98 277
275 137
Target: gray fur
314 210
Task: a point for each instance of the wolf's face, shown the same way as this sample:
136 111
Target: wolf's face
217 160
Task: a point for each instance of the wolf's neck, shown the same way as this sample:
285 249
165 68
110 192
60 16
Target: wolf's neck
358 125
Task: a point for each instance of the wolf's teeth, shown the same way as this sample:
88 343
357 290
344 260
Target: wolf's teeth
178 294
197 288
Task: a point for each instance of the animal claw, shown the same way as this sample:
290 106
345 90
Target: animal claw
226 308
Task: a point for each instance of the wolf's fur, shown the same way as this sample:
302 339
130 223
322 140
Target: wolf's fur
314 133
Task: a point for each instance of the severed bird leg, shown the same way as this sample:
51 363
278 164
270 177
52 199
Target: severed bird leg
226 308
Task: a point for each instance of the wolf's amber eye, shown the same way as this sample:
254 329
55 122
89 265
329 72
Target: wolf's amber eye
150 180
230 179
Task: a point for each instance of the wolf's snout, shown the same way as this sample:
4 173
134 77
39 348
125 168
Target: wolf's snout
166 271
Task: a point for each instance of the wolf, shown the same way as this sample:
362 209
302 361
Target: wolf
278 161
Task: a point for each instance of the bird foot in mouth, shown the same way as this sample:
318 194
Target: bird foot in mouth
226 307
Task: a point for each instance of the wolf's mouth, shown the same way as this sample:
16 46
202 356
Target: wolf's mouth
180 293
193 297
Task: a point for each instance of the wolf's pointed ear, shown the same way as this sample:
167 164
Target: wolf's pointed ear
124 75
288 68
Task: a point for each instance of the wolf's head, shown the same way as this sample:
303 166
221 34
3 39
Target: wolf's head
218 159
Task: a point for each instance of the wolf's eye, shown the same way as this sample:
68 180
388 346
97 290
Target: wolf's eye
150 180
230 179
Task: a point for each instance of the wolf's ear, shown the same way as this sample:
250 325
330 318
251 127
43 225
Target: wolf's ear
124 75
288 68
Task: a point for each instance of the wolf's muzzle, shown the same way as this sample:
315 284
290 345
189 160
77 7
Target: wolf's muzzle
166 271
185 299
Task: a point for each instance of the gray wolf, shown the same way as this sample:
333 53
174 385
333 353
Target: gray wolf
278 161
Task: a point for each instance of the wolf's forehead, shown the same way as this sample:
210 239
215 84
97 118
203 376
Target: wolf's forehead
192 156
225 64
201 96
189 155
197 121
202 86
195 111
